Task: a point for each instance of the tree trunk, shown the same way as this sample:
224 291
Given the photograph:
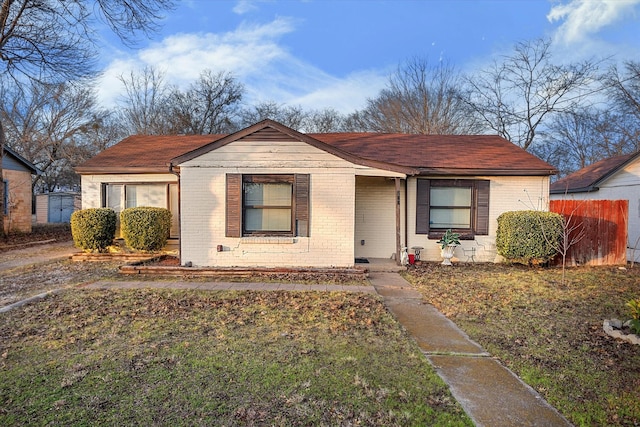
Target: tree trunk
2 198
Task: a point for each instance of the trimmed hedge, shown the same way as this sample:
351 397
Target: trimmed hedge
93 229
145 228
529 237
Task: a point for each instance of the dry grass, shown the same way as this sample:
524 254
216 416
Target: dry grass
167 357
548 333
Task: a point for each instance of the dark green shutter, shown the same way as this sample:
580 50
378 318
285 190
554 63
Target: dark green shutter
233 200
422 206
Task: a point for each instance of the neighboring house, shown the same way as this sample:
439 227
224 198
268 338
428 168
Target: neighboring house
17 203
270 196
615 178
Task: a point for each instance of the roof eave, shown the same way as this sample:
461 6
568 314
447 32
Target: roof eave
120 170
589 189
490 172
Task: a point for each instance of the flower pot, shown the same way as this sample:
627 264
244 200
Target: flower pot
447 254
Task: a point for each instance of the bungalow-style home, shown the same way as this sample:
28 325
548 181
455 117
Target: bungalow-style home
18 195
271 196
615 178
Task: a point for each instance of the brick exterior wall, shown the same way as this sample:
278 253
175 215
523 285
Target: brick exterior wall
330 241
507 193
19 217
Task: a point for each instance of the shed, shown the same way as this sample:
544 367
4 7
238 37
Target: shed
56 207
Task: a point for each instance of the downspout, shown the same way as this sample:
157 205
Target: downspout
397 182
177 174
406 211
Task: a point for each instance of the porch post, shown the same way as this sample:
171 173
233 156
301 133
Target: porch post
397 180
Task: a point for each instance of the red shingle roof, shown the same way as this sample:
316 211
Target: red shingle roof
447 153
412 154
587 178
143 153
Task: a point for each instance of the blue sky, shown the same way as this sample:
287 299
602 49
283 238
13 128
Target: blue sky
333 53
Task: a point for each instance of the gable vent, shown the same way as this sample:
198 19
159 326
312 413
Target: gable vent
268 134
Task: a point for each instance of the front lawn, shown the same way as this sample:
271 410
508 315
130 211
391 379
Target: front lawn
550 334
169 357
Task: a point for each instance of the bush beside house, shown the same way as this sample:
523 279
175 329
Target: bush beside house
529 237
145 228
93 229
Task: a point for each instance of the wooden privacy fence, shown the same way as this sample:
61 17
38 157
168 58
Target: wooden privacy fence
604 224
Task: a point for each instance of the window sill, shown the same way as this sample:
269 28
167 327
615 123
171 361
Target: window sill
464 235
267 240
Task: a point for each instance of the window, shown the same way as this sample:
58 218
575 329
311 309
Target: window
121 196
267 205
459 204
5 201
450 207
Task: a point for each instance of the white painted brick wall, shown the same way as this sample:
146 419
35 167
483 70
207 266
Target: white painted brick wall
331 223
507 193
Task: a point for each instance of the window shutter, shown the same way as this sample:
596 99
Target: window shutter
422 206
234 205
302 204
482 207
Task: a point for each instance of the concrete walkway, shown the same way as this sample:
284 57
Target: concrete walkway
489 393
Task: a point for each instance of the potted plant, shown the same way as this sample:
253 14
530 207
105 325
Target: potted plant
448 243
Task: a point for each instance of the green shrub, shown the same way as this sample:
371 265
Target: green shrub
145 228
634 312
93 229
529 237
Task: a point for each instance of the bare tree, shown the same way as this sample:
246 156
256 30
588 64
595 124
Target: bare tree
572 232
324 121
55 41
45 122
209 106
576 139
624 91
624 87
290 116
144 108
419 99
517 95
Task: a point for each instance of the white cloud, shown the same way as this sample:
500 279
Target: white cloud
582 18
245 6
252 53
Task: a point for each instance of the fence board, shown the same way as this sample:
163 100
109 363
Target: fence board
604 223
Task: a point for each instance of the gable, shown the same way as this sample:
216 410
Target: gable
272 132
267 148
590 177
13 161
625 176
